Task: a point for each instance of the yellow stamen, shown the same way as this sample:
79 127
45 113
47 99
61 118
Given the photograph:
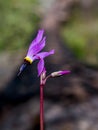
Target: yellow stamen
28 59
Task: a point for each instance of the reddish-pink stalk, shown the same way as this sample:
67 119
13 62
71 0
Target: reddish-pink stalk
43 79
41 107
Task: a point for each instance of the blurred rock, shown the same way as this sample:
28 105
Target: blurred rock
57 116
8 64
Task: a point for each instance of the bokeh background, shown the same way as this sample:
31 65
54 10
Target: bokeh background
71 27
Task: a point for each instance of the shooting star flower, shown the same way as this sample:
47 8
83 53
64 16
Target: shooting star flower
33 52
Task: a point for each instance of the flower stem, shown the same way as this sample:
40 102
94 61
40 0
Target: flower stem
41 108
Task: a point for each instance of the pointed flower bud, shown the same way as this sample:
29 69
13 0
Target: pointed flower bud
59 73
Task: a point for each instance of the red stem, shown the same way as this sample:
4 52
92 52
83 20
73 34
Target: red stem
41 108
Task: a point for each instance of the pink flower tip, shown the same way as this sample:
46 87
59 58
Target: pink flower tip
64 72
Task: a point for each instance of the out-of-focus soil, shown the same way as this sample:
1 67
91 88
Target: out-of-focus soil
70 101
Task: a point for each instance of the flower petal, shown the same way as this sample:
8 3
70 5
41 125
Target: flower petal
36 48
37 39
40 66
44 54
39 36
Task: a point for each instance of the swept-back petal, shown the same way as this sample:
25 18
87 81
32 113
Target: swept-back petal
40 66
45 54
37 39
39 36
36 48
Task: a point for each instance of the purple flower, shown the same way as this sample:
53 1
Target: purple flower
36 46
33 52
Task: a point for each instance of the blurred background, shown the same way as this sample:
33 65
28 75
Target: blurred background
71 101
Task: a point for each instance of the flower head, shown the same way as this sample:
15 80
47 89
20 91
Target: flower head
36 46
34 52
